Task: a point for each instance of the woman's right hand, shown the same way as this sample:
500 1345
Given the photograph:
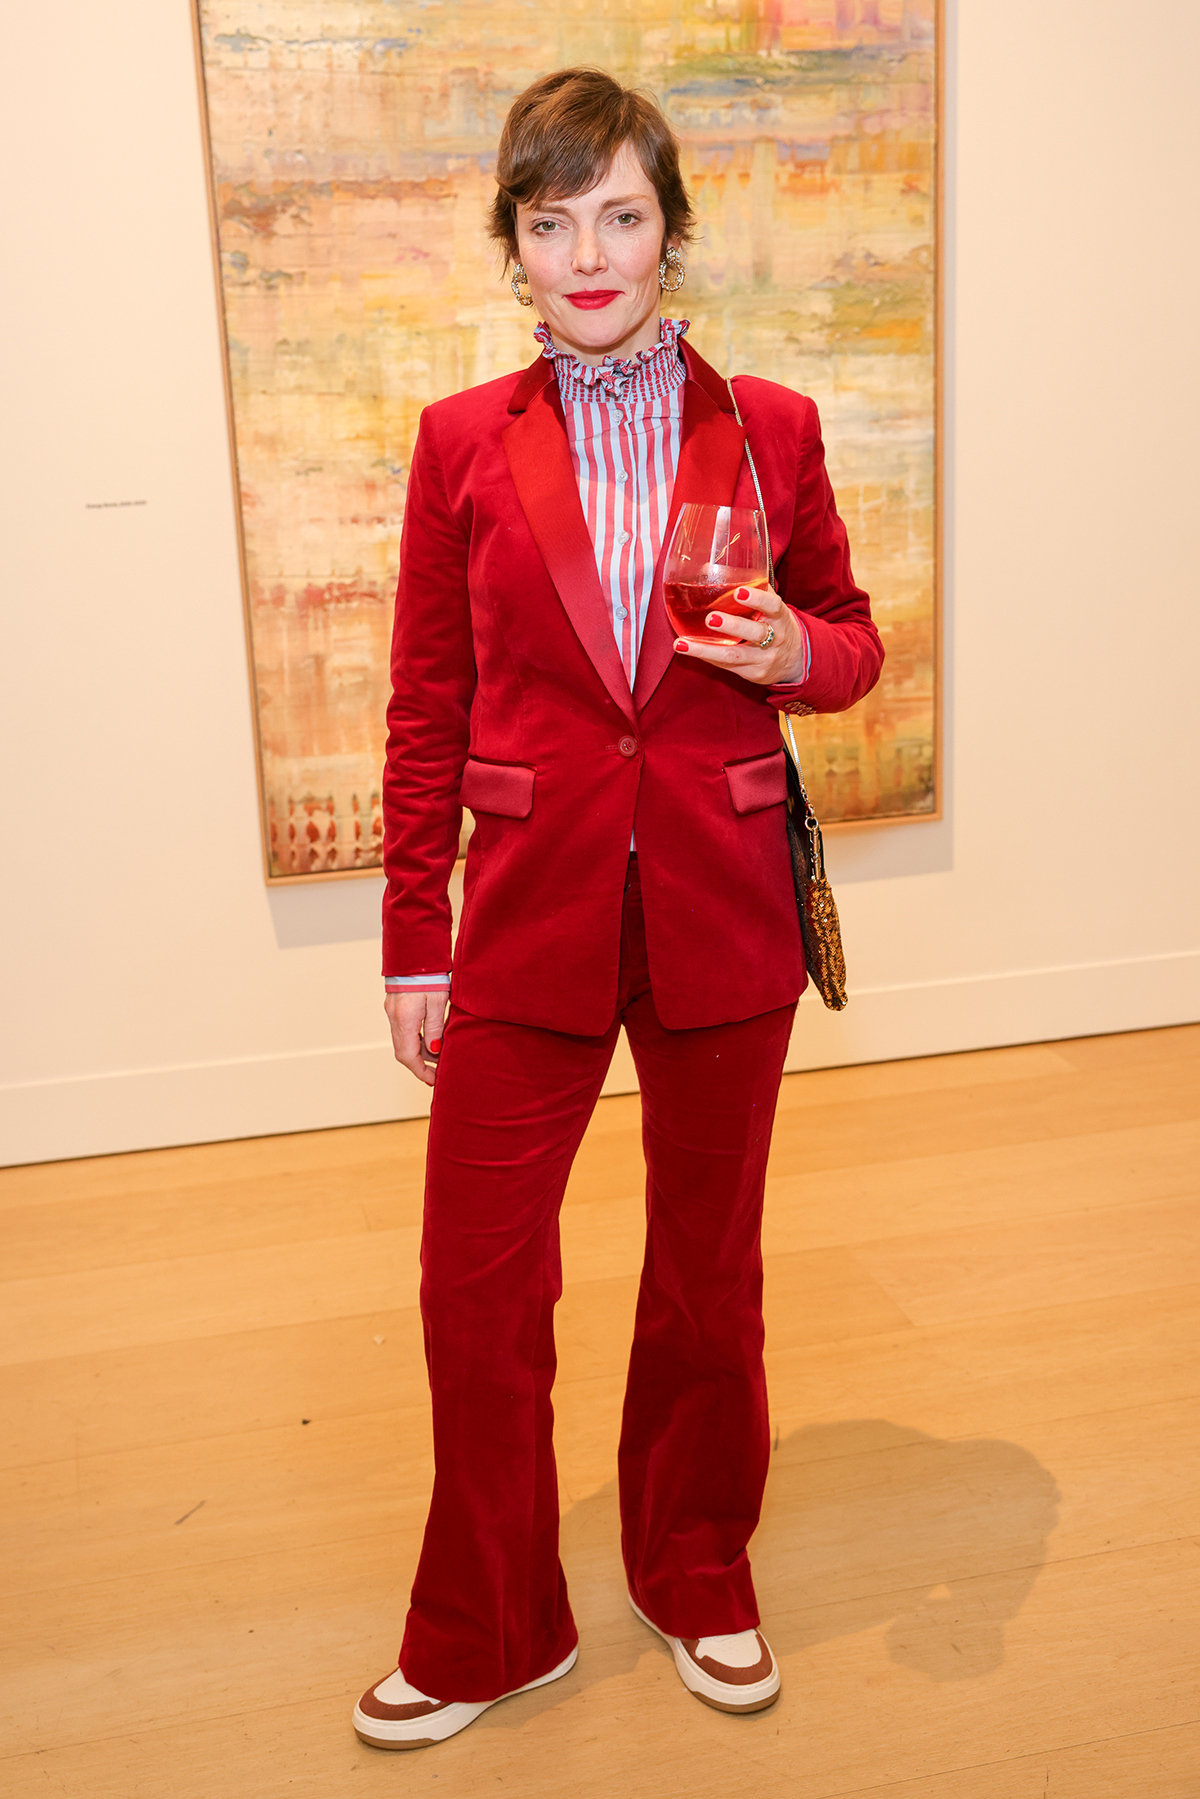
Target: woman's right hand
417 1021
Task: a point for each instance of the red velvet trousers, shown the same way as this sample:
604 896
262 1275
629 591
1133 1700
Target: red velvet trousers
489 1605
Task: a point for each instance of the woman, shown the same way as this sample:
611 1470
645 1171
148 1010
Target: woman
628 866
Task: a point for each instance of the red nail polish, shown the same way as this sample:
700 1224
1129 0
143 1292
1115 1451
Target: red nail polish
714 621
680 643
435 1044
743 593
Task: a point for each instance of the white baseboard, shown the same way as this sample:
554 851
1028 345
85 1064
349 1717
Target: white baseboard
152 1108
1029 1005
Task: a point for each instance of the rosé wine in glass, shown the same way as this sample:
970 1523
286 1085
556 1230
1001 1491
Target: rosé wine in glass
713 551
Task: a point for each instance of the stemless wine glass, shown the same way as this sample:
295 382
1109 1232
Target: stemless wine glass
713 550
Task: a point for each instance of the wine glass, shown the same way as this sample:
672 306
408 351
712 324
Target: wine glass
713 550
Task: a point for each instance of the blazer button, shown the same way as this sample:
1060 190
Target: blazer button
628 746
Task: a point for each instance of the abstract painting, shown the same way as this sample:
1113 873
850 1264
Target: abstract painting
352 144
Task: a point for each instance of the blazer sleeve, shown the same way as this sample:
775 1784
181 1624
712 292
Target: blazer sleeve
429 716
815 579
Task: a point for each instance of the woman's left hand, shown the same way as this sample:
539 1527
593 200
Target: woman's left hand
781 658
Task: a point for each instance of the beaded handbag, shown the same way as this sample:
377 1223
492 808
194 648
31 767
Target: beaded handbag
820 928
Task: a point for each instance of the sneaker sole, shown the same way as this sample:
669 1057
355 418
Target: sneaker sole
442 1725
714 1692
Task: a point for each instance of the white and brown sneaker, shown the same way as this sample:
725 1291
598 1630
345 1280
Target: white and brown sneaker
733 1673
394 1715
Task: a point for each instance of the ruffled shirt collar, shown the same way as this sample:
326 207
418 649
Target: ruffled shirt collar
643 375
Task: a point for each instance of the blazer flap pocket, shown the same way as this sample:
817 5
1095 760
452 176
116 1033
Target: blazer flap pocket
502 787
762 781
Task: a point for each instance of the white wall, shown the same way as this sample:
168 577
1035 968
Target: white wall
157 993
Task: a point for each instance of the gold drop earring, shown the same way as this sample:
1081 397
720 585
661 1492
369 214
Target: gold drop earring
520 279
671 265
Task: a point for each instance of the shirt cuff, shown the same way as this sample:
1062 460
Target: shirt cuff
785 695
417 983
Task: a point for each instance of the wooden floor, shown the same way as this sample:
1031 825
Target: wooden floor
980 1558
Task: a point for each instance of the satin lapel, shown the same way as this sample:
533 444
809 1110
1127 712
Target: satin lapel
710 458
540 459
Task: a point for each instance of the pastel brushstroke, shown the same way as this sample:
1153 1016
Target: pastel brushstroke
353 150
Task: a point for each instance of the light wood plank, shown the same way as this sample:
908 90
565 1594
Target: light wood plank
977 1560
338 1154
193 1297
289 1279
286 1750
877 1692
853 1133
1092 1254
1163 1763
806 1209
83 1234
952 1507
997 1375
1138 1054
822 1087
161 1393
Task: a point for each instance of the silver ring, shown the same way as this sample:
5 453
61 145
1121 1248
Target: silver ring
769 639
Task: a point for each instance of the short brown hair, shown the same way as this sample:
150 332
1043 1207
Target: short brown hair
560 136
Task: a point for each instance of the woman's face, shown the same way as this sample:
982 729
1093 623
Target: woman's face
592 263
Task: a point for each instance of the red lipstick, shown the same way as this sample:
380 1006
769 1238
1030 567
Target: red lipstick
593 298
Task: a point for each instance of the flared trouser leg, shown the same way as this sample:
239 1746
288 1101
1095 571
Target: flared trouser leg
695 1438
489 1608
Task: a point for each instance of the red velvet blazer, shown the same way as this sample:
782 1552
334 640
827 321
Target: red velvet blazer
510 698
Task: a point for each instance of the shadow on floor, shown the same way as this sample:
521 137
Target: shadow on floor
866 1522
